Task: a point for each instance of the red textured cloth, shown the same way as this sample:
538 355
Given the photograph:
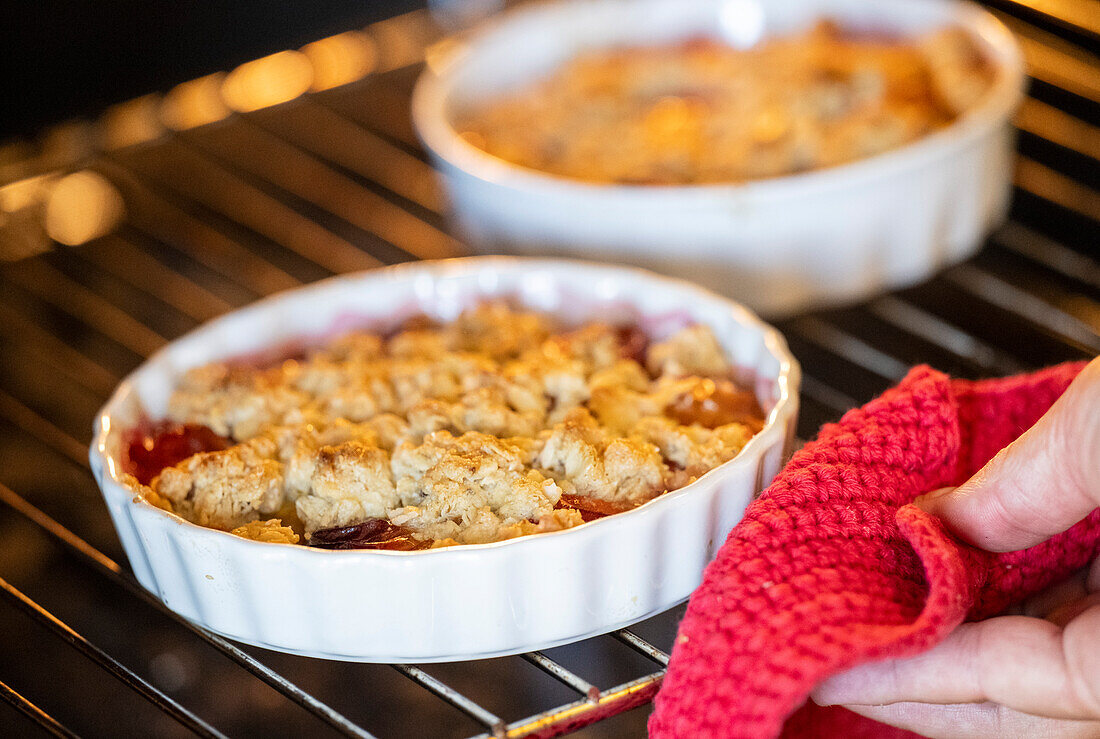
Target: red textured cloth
831 567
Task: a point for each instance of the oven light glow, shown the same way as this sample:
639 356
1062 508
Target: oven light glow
81 207
195 103
340 59
131 123
268 81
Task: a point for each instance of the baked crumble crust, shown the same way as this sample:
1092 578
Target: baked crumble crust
272 531
463 433
701 111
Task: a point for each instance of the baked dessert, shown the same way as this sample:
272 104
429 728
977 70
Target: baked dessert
500 424
702 111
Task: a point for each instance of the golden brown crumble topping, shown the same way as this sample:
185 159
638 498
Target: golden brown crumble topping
271 530
705 112
494 426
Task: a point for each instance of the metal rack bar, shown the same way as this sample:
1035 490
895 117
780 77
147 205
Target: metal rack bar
1049 253
1054 125
125 261
1079 15
34 713
827 395
472 709
47 283
34 424
194 175
909 318
253 150
818 331
61 357
640 645
1050 184
573 716
560 673
335 138
174 227
73 542
1019 302
129 678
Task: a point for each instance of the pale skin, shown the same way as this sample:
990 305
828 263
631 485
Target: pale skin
1036 672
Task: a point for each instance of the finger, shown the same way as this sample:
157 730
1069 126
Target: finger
975 721
1038 486
1026 664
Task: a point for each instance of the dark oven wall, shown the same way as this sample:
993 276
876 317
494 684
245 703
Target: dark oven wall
67 58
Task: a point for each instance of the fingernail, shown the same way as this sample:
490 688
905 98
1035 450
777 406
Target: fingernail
926 502
820 695
837 689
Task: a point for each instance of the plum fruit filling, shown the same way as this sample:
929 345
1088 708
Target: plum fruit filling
151 449
592 508
374 533
714 403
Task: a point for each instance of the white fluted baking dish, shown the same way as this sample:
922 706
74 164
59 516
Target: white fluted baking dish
778 245
459 602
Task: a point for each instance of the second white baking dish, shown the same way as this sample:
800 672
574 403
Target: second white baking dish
778 245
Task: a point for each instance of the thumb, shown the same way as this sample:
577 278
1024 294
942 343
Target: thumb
1038 486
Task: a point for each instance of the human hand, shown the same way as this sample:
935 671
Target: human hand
1034 673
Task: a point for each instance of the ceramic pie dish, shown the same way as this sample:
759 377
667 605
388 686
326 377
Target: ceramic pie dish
460 602
779 245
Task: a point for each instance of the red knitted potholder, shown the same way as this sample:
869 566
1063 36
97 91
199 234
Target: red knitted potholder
832 567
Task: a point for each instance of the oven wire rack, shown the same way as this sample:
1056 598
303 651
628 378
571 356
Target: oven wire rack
244 204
